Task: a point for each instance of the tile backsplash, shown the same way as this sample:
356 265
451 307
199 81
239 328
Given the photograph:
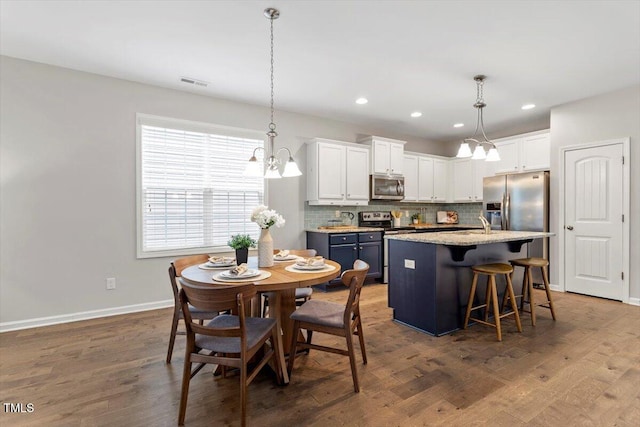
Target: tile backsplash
315 216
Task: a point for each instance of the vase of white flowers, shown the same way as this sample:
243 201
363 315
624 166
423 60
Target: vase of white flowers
266 218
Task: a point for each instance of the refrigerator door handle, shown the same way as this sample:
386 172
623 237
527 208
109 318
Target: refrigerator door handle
503 221
507 211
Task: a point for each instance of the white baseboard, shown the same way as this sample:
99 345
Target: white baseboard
84 315
634 301
556 288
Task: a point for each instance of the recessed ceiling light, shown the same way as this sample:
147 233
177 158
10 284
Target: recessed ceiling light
416 114
528 106
458 125
362 101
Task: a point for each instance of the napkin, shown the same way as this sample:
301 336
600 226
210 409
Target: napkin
313 261
239 270
282 254
220 259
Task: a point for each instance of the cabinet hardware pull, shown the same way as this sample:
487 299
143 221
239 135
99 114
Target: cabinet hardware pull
569 227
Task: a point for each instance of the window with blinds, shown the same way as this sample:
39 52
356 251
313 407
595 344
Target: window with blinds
192 193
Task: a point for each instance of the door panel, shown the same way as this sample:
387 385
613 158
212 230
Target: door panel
593 221
331 166
357 173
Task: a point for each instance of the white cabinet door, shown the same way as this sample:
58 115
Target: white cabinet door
331 169
357 171
425 176
479 167
410 167
396 158
509 154
462 180
535 152
440 180
381 154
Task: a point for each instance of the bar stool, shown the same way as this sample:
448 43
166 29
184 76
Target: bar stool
491 297
527 285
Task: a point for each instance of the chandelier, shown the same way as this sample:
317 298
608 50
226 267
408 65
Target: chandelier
478 152
271 162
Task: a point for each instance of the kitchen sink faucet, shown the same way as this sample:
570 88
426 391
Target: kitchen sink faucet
485 224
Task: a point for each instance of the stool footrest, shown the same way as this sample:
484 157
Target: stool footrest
482 321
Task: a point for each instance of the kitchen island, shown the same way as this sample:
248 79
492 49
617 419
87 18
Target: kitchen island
430 273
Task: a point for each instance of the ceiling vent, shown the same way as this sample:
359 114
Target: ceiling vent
196 82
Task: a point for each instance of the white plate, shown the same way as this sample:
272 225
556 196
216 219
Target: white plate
221 264
309 267
285 258
246 275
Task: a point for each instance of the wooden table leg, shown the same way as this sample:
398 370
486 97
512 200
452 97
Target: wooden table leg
283 306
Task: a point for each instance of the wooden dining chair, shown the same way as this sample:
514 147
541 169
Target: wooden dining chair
229 339
302 294
175 271
334 319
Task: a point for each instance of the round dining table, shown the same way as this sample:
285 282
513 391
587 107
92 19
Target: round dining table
282 282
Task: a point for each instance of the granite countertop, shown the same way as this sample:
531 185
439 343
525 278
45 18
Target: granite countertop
431 226
356 229
346 229
469 237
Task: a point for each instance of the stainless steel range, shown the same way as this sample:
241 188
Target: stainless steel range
383 219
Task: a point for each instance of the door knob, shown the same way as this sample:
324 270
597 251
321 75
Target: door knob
569 227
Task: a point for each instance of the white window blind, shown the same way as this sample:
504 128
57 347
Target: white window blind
193 195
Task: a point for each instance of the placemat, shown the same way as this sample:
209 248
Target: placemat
263 275
209 267
325 269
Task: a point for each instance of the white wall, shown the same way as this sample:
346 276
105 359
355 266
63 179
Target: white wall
609 116
67 195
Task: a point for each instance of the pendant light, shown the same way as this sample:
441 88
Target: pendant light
272 162
479 153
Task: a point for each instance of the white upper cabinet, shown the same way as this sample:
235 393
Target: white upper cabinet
468 178
425 178
387 155
522 153
337 173
357 173
440 180
535 152
410 167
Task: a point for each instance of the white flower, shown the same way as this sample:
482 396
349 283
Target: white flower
265 217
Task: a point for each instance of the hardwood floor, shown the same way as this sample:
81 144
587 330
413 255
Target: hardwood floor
583 369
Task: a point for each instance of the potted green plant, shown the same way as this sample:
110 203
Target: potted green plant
415 218
241 243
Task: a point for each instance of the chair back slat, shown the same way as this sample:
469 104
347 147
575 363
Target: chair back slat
354 279
175 270
182 263
218 298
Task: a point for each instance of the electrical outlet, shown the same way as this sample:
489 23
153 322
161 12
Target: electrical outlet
410 263
111 283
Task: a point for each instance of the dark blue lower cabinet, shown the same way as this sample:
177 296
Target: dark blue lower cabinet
371 253
345 248
345 255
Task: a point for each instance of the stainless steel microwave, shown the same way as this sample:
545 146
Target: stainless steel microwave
383 187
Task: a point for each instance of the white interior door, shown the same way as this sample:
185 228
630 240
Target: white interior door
593 221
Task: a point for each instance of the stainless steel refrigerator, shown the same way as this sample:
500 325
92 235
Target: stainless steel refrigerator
519 202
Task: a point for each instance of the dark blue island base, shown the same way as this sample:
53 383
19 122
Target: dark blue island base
432 296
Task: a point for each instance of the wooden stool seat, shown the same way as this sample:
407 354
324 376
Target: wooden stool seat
492 268
491 296
527 286
531 262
